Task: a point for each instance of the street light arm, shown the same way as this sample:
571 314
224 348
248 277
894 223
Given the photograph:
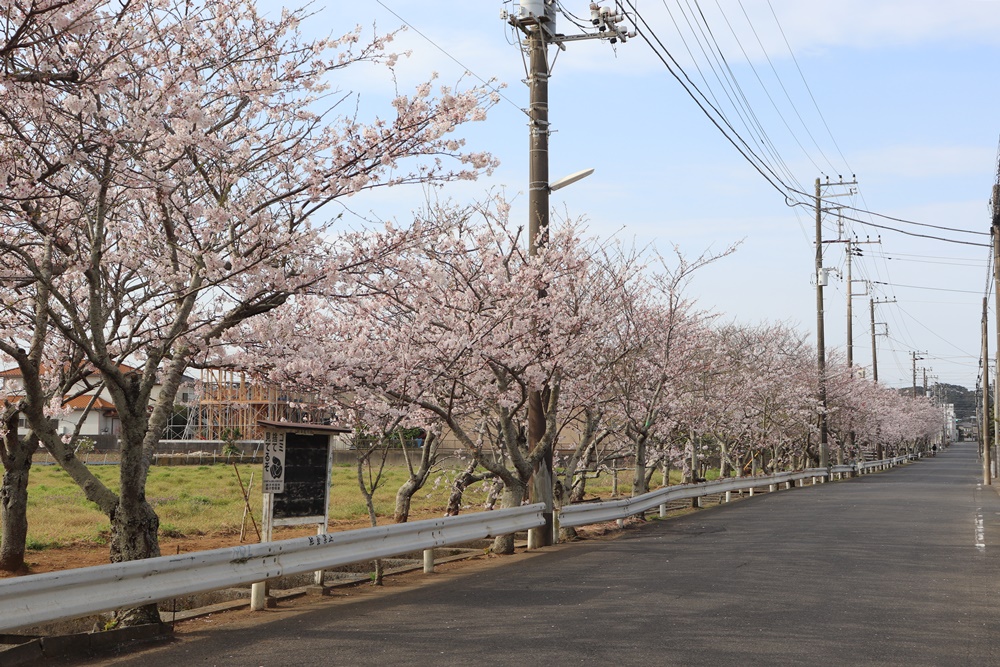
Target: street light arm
569 180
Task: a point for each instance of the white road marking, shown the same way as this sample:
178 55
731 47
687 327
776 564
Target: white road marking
980 526
980 530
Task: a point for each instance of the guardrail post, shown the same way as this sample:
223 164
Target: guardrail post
428 561
663 510
696 502
771 488
258 596
258 590
729 496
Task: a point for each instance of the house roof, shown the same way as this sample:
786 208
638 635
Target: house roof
81 402
78 403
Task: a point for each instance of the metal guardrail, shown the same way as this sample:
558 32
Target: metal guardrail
611 510
54 596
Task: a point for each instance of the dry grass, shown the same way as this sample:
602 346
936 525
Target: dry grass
206 500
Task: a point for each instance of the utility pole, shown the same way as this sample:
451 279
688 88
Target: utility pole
852 251
871 309
824 447
984 445
538 233
995 231
821 279
915 360
537 20
850 312
880 450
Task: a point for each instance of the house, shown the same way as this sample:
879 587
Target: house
95 409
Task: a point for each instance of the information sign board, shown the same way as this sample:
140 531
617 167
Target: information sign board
274 463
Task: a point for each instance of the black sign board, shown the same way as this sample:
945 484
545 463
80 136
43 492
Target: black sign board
306 466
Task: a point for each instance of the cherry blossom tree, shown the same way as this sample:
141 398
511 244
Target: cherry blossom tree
447 326
176 175
757 402
661 331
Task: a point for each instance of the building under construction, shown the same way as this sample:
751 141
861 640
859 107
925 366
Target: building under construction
231 402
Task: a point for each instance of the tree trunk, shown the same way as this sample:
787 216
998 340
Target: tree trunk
403 499
579 490
417 478
14 501
513 496
639 476
134 527
458 489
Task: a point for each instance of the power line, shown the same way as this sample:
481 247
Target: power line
935 289
806 84
689 87
456 60
918 224
922 236
783 88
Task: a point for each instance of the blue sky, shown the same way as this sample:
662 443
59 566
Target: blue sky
905 97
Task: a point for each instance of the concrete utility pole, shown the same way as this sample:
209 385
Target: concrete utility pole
537 20
871 308
852 250
538 236
821 278
915 360
984 429
824 447
850 312
995 230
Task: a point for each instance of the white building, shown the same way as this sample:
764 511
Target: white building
95 409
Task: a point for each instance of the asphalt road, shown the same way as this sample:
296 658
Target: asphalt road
897 568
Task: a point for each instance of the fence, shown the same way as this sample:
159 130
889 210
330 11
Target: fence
41 598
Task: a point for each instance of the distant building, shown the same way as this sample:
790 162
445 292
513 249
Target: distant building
95 409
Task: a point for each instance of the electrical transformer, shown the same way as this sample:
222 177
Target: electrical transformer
538 11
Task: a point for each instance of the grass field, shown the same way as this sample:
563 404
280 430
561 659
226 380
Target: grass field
206 500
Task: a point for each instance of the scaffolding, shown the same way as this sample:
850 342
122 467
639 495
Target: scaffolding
231 403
